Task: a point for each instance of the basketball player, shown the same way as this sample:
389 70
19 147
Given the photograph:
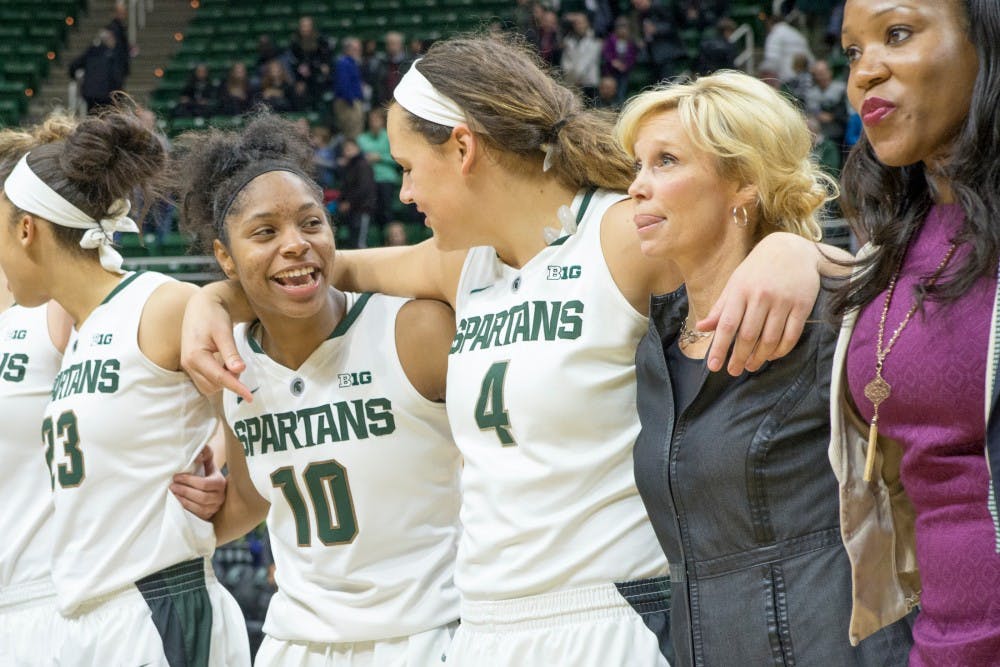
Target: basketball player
346 448
522 186
31 346
128 562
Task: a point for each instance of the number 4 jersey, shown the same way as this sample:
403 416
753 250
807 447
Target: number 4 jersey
362 477
118 428
541 398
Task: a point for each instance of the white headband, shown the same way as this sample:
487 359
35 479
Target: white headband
416 94
29 193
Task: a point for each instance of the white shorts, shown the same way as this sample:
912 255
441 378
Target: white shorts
180 615
31 629
608 625
420 650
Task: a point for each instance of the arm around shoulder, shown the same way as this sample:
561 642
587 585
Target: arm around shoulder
420 271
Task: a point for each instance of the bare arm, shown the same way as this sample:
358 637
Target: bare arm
765 304
420 271
243 508
763 307
415 271
424 333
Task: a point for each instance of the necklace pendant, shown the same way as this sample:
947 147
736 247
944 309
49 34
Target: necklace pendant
877 390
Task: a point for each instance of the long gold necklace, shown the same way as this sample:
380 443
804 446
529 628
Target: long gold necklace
878 390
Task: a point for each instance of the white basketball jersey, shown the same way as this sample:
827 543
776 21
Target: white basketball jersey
363 480
117 430
541 399
28 365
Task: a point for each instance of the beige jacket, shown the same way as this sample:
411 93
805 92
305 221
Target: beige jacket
876 518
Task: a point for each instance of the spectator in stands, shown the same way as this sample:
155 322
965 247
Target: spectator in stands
524 18
393 67
827 101
816 15
826 151
619 56
235 95
358 196
782 44
659 41
102 72
275 87
198 97
417 48
119 28
325 148
309 56
347 94
700 14
395 234
371 68
716 51
801 84
374 144
581 55
608 94
545 36
266 52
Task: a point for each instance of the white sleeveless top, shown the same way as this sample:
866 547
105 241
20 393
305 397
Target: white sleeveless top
362 476
28 365
541 399
118 429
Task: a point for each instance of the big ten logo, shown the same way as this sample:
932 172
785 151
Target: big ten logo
17 334
563 272
102 339
355 379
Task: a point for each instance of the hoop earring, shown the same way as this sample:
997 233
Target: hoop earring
740 217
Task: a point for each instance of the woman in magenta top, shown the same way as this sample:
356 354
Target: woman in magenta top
923 187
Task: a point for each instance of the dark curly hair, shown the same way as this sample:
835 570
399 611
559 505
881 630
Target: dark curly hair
887 205
211 169
105 158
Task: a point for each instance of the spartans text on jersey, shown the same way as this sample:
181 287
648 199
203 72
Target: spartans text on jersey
87 377
528 321
330 422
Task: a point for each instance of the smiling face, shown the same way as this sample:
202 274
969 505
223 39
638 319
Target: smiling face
912 73
281 246
682 204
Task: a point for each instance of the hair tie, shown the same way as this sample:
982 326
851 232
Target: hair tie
551 139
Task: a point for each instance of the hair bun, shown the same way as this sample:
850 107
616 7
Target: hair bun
111 154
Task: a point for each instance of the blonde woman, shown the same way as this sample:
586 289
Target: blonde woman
734 471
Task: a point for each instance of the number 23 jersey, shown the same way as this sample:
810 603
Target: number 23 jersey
541 399
118 428
362 476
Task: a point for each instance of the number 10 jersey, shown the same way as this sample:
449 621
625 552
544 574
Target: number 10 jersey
362 476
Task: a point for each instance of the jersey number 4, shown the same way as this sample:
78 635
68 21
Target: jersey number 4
71 471
330 493
491 413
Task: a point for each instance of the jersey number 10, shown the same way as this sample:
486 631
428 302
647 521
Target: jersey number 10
330 493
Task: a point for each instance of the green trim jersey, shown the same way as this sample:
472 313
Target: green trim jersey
363 480
541 400
28 365
117 429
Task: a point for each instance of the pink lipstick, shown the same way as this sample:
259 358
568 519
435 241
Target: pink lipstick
875 109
